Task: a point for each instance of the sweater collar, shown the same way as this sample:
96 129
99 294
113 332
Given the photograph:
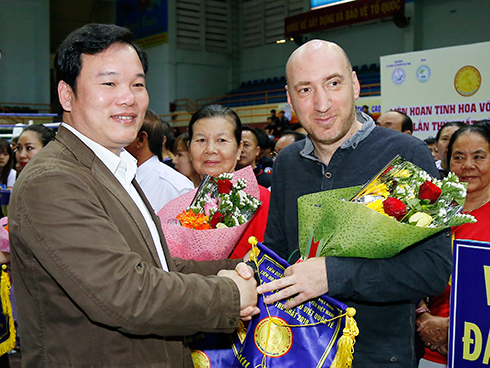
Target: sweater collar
367 127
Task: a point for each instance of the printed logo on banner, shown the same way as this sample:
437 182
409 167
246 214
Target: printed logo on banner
398 76
272 337
200 359
469 330
467 81
423 73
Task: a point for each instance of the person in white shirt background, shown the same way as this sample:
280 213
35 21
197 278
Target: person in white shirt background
159 182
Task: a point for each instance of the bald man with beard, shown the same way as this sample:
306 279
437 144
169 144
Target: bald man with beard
344 150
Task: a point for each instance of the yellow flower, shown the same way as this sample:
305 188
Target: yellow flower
377 206
404 173
375 189
420 219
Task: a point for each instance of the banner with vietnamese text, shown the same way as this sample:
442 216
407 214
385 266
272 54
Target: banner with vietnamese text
469 330
437 86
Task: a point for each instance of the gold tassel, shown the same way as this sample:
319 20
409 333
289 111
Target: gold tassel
345 345
8 344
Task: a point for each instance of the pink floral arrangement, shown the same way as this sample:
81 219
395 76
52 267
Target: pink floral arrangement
203 226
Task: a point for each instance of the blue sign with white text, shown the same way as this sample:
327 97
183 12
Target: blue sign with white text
469 330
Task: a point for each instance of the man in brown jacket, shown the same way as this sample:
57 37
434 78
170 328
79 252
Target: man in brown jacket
95 283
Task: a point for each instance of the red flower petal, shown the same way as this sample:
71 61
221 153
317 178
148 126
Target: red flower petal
394 207
429 191
224 186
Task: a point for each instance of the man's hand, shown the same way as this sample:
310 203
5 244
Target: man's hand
304 281
433 331
243 277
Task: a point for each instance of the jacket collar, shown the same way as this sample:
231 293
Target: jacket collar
89 159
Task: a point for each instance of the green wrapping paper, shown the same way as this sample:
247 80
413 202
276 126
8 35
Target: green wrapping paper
349 229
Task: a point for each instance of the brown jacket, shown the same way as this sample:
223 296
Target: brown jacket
88 283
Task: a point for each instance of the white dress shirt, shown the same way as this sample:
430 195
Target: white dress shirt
161 183
124 169
11 178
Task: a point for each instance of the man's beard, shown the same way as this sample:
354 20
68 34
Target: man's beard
342 133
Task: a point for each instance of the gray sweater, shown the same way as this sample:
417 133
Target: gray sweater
384 291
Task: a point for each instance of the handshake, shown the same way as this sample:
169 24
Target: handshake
243 275
301 282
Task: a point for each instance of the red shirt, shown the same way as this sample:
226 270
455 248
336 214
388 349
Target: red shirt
439 305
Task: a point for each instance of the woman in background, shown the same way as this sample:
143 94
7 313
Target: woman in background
8 174
468 156
215 134
215 146
443 137
182 160
32 139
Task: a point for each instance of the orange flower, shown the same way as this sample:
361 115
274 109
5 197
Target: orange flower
194 221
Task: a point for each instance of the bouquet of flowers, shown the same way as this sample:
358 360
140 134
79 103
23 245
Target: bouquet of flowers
402 205
7 326
218 204
208 222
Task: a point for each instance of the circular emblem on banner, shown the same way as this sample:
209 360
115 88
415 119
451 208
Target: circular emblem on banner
467 81
423 73
280 337
398 76
200 359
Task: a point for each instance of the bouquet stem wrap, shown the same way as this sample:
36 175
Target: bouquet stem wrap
399 207
317 333
339 228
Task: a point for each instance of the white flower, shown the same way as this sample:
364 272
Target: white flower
241 184
225 176
420 219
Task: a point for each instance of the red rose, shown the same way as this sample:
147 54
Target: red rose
224 186
394 207
217 217
429 191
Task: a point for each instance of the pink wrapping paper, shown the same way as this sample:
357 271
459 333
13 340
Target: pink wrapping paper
4 236
203 245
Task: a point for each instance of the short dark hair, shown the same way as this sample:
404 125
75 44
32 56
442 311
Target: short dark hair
430 140
407 123
252 130
297 135
45 134
169 134
478 129
483 122
262 139
449 124
154 130
217 111
90 39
